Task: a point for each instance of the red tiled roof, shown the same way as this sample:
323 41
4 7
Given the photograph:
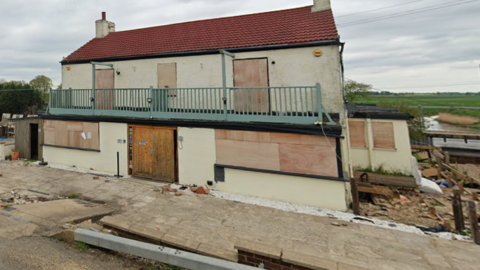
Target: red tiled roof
292 26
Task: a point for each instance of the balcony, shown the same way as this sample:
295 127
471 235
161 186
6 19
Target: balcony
293 105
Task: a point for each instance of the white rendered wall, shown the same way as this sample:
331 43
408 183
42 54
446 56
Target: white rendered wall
103 161
196 155
293 67
392 160
196 166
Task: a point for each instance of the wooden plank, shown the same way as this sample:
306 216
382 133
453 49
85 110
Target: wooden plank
248 154
105 79
167 77
460 174
458 211
248 136
379 190
287 138
388 180
307 159
163 167
94 142
74 126
75 139
357 133
61 133
220 134
142 152
355 197
473 218
49 135
422 147
383 135
251 73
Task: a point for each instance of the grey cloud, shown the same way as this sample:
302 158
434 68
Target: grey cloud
425 48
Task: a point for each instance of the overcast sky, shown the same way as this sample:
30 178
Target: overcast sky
428 49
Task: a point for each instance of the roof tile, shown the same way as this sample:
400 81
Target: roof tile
292 26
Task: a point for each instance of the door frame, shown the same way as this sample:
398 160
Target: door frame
268 77
176 156
31 145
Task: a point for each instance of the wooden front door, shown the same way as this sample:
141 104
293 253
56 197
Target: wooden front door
104 79
251 73
153 153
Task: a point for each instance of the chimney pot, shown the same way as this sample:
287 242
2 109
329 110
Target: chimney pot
320 5
104 27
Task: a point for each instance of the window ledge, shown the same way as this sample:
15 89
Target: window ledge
72 148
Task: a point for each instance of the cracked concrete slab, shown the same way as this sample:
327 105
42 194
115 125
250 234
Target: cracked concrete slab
55 213
11 228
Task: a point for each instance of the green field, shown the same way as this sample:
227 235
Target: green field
427 100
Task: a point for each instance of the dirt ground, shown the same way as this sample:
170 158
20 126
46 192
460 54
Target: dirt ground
41 253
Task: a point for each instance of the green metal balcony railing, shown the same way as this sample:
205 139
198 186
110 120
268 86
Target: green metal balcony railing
296 104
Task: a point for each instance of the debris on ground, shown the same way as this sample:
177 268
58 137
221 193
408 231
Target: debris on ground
199 190
429 205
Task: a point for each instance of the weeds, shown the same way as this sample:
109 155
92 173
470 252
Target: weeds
82 246
73 196
381 170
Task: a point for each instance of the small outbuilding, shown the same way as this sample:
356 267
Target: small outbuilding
29 137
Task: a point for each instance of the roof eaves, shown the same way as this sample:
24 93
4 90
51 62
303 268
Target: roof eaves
204 52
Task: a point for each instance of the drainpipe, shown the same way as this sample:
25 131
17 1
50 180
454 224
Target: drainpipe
224 79
370 144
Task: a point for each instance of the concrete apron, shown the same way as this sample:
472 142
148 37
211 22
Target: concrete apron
25 220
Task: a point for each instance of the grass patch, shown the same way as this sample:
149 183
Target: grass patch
381 170
82 246
430 100
73 196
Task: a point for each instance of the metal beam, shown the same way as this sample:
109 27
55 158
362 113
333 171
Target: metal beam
157 253
224 79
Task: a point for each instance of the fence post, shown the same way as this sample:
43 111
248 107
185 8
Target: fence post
458 211
49 107
224 82
473 218
319 102
420 114
150 100
93 100
355 197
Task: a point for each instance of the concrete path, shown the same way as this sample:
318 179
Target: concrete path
213 226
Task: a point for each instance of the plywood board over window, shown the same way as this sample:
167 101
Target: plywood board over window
167 77
357 133
283 152
383 135
73 134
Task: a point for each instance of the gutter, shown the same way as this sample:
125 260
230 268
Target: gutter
207 52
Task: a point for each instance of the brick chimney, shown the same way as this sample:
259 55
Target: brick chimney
319 5
104 27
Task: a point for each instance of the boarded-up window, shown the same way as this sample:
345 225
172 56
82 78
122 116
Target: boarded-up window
82 135
357 133
167 77
293 153
383 135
